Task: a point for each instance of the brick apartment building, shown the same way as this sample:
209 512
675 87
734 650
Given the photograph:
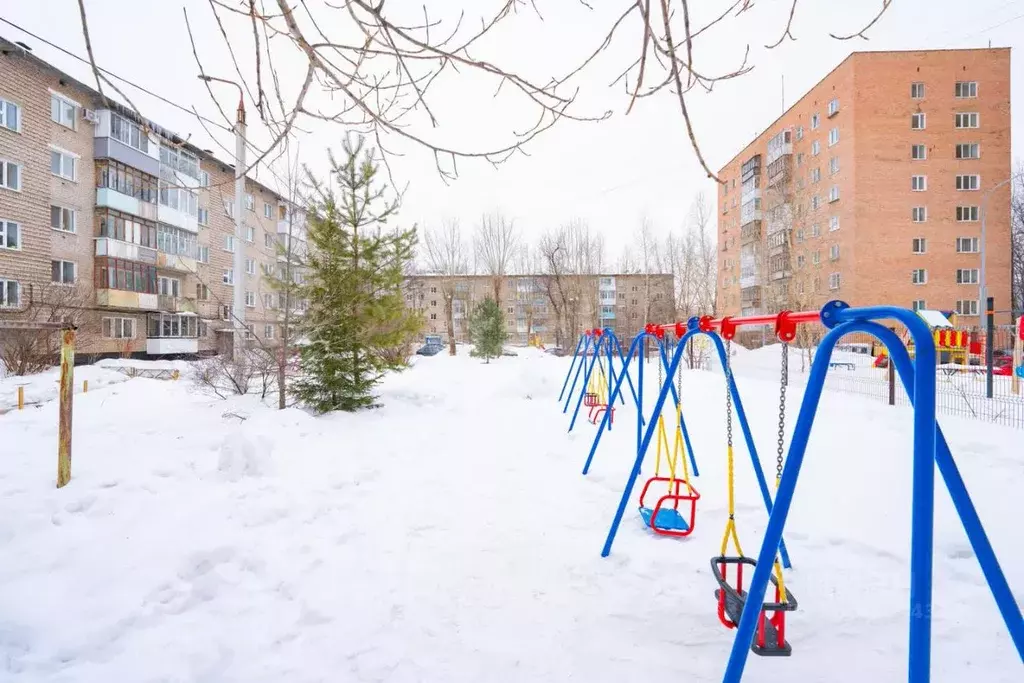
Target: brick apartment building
619 302
126 221
872 187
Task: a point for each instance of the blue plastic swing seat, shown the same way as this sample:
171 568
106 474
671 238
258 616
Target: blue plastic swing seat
668 518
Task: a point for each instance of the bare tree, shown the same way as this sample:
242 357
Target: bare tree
572 256
445 255
494 246
1017 236
28 351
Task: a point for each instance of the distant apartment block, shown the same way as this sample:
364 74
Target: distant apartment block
872 187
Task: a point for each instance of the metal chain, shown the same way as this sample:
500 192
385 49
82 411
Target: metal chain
782 411
728 393
679 374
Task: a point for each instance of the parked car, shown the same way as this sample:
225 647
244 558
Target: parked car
555 351
429 349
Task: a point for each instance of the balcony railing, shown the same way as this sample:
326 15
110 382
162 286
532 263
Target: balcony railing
751 232
174 304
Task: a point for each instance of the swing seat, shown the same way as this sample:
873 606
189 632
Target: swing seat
770 636
665 518
595 413
590 399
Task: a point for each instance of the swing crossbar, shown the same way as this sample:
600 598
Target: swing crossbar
665 518
785 323
770 636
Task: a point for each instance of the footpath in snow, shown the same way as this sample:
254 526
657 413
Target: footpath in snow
449 537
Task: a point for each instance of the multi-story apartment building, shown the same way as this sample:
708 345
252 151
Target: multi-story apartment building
123 223
622 303
872 187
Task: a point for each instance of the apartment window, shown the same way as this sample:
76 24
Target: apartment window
229 208
815 230
202 292
268 269
833 137
967 307
126 228
815 121
833 223
918 305
169 286
800 235
800 260
433 316
968 150
63 111
128 132
917 91
62 272
203 216
10 235
965 120
815 148
268 240
204 328
250 300
965 89
799 133
833 193
919 214
229 243
250 202
966 214
968 182
833 106
967 276
967 245
919 276
204 178
250 233
225 313
267 210
62 164
10 175
126 180
171 240
917 121
131 276
919 245
918 152
180 199
833 165
268 302
203 254
181 160
800 159
268 331
119 328
228 277
10 116
918 183
10 293
815 175
815 202
816 257
833 252
833 281
62 218
250 266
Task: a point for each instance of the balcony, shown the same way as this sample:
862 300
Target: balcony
177 218
112 144
164 346
779 171
749 281
106 246
175 262
750 296
751 232
172 333
112 148
176 304
119 298
112 199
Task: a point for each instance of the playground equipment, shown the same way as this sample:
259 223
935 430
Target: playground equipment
601 347
595 397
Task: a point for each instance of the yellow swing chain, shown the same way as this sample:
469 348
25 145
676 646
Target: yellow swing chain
679 446
662 437
730 526
779 454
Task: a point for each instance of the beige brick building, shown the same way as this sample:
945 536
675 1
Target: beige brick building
532 307
872 187
125 223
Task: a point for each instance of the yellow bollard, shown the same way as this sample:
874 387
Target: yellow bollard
174 375
85 386
21 398
67 393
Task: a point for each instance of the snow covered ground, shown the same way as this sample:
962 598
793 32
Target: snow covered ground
450 537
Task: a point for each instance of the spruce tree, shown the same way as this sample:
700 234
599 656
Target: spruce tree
487 330
354 272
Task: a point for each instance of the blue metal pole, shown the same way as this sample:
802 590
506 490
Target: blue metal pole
575 355
608 338
682 420
583 361
586 381
605 418
639 405
625 366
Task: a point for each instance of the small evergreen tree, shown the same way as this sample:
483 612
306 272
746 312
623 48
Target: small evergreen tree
354 271
487 330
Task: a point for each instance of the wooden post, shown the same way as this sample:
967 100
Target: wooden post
85 387
21 398
67 393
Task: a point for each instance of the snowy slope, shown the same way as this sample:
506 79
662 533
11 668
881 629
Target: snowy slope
449 537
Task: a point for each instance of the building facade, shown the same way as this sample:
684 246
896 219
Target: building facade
534 307
872 189
124 226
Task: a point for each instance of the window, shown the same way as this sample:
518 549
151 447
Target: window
917 91
815 230
799 133
229 243
815 202
126 228
180 199
268 269
225 313
815 175
833 281
965 89
816 257
833 223
250 233
965 120
967 245
250 266
10 235
62 164
268 331
204 178
203 254
203 216
833 106
250 300
967 307
171 240
62 219
833 137
833 252
229 208
10 116
919 245
10 293
966 214
250 202
63 111
131 276
433 316
917 121
919 276
833 165
202 292
128 132
169 286
10 175
267 210
180 159
968 150
918 305
204 328
800 235
815 121
919 214
815 148
62 272
918 152
268 302
800 260
268 239
126 180
800 159
833 193
967 276
228 277
918 183
968 182
119 328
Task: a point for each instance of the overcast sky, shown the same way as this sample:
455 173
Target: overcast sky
610 174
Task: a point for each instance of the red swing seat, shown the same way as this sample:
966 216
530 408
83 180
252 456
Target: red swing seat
770 636
665 518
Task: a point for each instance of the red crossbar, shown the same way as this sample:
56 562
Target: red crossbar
785 323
